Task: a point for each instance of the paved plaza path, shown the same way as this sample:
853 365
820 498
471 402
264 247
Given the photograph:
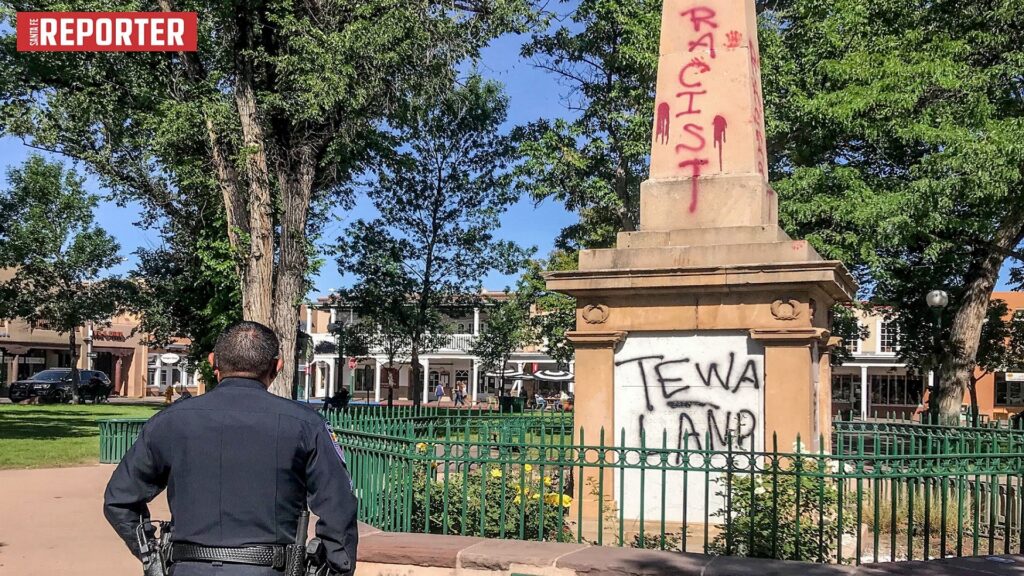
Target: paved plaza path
51 523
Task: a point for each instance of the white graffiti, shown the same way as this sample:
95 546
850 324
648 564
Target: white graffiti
687 391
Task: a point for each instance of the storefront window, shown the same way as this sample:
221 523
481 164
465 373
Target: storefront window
1009 389
896 389
846 388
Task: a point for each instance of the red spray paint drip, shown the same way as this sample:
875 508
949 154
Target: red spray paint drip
720 124
663 123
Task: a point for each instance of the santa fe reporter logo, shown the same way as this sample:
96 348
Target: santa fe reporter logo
107 31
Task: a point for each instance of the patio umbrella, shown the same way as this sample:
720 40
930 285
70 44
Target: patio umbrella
509 374
554 376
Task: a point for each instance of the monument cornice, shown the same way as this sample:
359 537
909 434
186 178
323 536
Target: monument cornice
596 339
791 335
828 275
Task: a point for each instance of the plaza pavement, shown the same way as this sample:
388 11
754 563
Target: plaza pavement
51 523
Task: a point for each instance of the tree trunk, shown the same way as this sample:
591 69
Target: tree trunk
622 191
957 368
258 271
414 385
973 389
296 187
75 376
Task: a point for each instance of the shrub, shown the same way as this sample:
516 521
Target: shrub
492 501
769 511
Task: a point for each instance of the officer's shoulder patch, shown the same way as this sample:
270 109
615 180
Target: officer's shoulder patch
334 440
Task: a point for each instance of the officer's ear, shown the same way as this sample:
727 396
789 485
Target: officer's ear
213 362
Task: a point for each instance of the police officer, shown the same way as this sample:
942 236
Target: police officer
239 465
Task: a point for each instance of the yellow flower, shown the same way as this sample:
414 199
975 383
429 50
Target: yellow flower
496 473
547 481
535 497
421 447
566 500
552 499
517 500
528 468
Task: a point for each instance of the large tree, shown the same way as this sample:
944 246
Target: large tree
58 255
265 124
439 196
606 58
896 145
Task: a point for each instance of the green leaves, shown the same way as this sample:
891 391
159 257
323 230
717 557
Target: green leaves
895 145
595 161
508 329
440 194
55 251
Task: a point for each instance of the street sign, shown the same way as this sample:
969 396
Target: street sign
93 354
352 363
1015 376
170 358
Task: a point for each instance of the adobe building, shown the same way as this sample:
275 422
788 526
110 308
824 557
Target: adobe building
875 382
117 349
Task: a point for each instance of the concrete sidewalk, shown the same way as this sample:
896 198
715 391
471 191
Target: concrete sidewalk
51 523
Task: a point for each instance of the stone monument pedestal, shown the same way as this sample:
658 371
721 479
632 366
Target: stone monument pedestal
709 326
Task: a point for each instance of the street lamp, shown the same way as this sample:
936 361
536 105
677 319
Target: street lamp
937 300
338 329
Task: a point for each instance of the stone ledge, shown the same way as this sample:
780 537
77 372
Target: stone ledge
391 554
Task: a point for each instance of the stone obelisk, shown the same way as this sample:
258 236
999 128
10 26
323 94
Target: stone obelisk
708 323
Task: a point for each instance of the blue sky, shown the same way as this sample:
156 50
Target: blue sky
534 94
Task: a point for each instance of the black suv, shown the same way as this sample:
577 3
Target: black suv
54 385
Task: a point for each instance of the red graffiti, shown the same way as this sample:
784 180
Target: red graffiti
694 165
758 113
707 40
664 120
759 140
697 64
733 39
700 15
690 109
720 124
698 133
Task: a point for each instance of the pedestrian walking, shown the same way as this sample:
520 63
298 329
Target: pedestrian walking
243 465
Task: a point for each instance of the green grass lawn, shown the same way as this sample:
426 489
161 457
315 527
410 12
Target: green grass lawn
50 436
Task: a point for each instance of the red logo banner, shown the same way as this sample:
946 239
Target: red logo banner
107 31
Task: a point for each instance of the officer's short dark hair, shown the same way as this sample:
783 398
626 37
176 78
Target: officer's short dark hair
246 348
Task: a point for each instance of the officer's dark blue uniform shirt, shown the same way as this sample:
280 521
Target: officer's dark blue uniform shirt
238 464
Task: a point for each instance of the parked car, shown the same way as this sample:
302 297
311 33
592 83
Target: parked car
54 385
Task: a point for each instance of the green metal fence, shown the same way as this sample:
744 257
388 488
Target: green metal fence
888 490
884 494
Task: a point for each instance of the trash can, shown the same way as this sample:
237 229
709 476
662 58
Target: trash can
511 404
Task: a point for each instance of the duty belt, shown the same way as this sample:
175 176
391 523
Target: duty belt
270 556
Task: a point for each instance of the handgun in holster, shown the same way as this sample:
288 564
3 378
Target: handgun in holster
306 559
154 546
